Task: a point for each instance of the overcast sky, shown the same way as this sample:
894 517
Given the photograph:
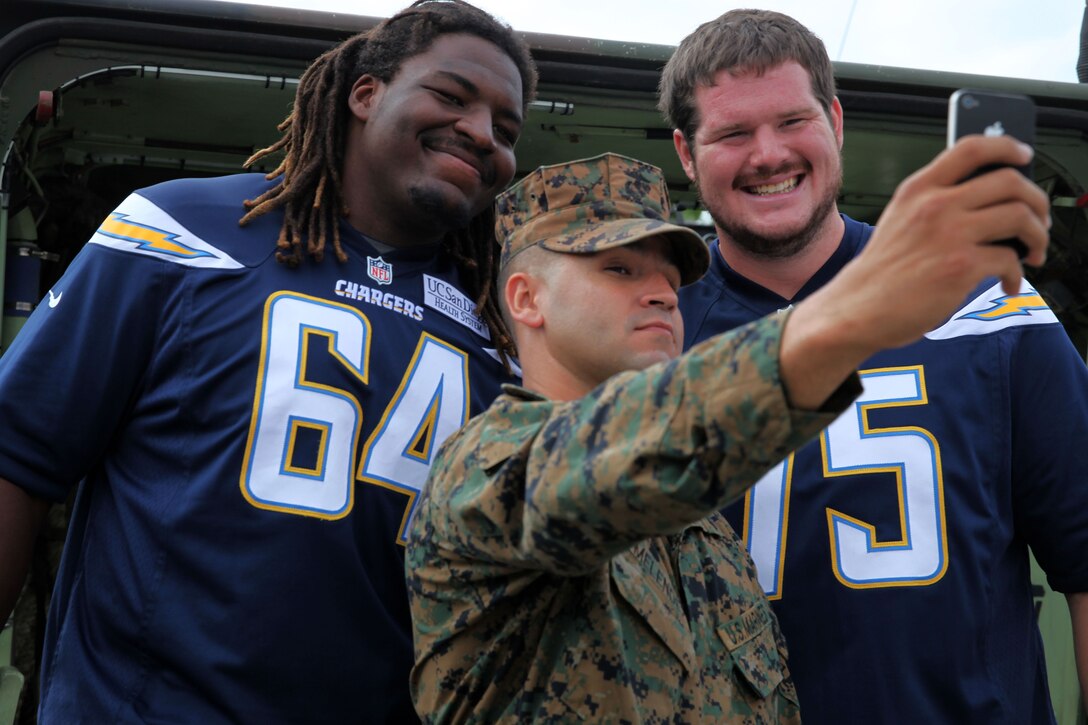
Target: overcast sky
1020 38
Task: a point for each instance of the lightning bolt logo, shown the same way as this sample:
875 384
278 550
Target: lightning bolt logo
117 226
1009 306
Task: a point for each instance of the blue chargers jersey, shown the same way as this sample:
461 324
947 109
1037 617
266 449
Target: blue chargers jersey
253 438
894 547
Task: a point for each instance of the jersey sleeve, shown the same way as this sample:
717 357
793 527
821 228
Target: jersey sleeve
72 371
1049 414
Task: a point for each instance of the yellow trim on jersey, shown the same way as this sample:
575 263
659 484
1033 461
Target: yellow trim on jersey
292 438
867 429
147 237
784 523
361 373
392 407
422 440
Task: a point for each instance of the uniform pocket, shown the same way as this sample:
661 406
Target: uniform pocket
750 639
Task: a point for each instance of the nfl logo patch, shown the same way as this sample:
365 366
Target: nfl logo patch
379 270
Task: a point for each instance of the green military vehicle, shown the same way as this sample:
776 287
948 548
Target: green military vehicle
99 97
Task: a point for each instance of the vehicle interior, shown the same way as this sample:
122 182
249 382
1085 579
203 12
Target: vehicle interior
101 98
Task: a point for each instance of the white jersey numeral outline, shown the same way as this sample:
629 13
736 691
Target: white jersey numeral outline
430 403
852 446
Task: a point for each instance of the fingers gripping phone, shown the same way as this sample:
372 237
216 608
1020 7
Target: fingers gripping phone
990 113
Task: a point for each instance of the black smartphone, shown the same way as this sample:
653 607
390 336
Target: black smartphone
991 113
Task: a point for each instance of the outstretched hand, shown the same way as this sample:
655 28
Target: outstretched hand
932 246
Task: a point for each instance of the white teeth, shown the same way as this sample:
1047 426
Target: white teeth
783 186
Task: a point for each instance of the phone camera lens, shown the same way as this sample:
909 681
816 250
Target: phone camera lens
970 102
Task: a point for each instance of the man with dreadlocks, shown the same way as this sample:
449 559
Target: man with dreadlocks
254 423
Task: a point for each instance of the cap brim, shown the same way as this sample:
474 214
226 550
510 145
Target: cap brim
690 251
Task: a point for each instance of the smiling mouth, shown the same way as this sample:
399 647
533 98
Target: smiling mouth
464 154
781 187
466 161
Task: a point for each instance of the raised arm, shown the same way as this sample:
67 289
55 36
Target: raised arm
20 517
564 486
930 248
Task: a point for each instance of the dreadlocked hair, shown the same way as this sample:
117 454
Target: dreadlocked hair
310 190
476 253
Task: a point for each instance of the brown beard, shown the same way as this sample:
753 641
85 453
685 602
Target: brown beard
786 245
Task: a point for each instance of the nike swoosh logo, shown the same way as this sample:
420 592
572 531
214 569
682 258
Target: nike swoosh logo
54 300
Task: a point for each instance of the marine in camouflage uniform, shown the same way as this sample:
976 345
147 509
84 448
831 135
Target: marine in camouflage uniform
566 560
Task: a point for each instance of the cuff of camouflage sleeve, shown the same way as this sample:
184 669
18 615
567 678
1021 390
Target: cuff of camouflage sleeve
811 422
843 396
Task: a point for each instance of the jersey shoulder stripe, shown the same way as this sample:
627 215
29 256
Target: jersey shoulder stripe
993 311
141 227
138 225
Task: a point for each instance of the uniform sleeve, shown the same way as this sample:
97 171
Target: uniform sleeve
645 454
71 372
1049 413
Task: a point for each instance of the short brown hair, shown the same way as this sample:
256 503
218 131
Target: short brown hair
740 41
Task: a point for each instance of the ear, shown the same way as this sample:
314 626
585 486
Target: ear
684 152
364 96
522 295
836 119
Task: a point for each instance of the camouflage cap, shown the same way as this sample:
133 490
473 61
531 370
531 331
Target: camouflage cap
591 205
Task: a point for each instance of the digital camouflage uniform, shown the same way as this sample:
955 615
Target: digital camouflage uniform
567 562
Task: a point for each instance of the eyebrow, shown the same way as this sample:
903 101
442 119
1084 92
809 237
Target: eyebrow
474 89
802 111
